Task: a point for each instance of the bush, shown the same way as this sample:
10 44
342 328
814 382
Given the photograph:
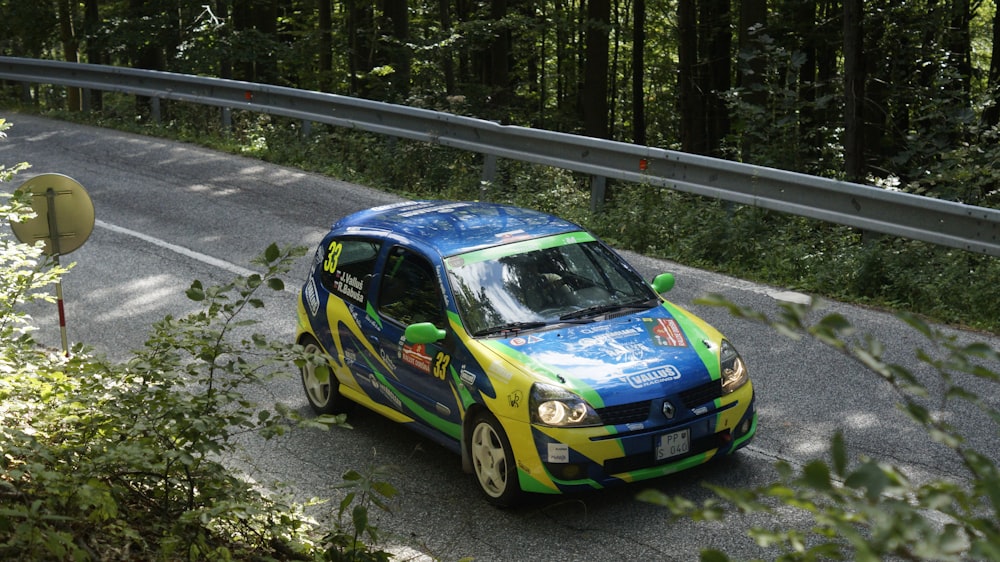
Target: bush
871 510
125 461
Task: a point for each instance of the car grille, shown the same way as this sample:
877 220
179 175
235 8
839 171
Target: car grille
636 412
703 393
626 413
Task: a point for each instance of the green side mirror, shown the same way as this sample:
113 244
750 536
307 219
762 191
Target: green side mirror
423 332
663 282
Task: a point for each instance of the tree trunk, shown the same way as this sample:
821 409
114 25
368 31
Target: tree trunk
225 31
692 111
497 72
95 51
595 76
854 90
70 45
324 26
991 117
718 39
396 25
265 21
753 15
960 46
827 55
360 37
447 63
638 72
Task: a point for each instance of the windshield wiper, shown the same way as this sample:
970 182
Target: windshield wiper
512 327
599 309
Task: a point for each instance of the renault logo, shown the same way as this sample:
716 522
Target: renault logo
668 409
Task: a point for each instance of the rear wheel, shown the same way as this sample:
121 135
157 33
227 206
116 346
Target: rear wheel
321 386
493 461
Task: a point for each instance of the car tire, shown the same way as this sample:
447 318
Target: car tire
493 461
323 395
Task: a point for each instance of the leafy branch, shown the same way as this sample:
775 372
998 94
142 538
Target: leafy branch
872 510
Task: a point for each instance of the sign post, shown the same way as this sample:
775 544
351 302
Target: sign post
64 220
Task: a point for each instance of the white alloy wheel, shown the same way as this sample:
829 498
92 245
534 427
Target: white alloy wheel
493 461
322 388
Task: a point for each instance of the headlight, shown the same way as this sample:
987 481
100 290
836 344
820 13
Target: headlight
734 371
556 407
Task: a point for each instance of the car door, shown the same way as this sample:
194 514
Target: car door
346 266
409 292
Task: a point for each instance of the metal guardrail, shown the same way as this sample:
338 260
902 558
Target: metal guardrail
956 225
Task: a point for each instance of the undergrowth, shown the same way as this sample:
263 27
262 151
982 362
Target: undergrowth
833 261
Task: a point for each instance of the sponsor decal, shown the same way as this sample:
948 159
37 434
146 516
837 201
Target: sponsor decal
602 339
312 297
510 234
631 351
666 332
349 286
518 341
433 209
654 376
387 359
557 453
386 392
467 376
441 287
416 356
514 398
350 357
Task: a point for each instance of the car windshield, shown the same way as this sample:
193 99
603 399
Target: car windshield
539 282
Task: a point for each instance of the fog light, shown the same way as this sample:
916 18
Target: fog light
745 427
566 471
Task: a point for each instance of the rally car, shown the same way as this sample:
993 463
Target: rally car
521 342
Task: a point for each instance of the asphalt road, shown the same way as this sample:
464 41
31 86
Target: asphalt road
169 213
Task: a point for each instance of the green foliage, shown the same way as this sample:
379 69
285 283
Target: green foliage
871 510
108 461
347 542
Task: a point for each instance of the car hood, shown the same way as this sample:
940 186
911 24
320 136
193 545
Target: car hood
622 360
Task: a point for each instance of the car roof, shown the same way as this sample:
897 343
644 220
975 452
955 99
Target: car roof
454 227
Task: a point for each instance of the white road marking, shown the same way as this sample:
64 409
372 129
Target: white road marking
204 258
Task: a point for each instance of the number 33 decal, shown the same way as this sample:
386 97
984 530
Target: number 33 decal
332 257
441 361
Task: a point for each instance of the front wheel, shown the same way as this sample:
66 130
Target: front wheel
493 461
321 386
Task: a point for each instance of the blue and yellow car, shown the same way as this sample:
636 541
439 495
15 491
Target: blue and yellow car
520 341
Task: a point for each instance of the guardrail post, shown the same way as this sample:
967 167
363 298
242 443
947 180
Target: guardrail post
227 119
598 191
154 108
489 169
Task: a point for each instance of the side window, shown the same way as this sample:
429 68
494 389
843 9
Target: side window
348 265
409 291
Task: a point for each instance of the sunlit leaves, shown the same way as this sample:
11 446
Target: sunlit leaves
865 508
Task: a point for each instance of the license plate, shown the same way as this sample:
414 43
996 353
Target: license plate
673 444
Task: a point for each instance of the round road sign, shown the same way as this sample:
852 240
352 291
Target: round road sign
64 214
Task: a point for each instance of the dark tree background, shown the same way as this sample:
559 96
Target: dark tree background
886 91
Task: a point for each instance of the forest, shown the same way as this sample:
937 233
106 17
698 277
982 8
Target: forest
904 94
899 95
